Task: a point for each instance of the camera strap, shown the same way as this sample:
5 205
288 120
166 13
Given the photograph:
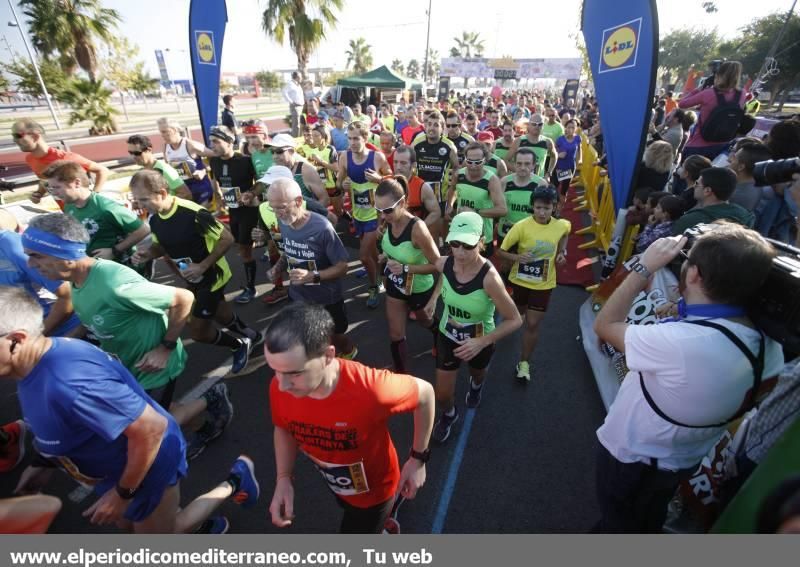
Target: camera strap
756 361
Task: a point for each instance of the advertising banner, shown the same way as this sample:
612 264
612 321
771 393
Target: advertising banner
558 68
207 20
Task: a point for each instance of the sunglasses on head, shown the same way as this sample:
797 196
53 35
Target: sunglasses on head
390 210
457 244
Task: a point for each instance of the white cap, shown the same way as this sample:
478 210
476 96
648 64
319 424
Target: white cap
283 141
276 172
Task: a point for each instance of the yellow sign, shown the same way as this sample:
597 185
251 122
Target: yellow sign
619 47
205 47
505 63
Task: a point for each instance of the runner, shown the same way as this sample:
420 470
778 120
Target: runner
455 135
387 144
569 158
471 124
494 163
234 176
314 256
503 145
354 167
410 255
414 127
256 134
553 128
339 132
493 126
140 148
517 189
420 201
471 289
326 159
138 321
478 189
543 147
317 399
186 156
194 242
541 243
284 153
90 417
304 149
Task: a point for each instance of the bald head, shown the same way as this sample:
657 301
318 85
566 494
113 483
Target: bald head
284 189
8 221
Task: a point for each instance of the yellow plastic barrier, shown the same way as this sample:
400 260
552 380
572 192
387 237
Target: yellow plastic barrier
628 242
602 226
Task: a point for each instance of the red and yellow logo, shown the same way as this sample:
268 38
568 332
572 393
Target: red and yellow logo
204 41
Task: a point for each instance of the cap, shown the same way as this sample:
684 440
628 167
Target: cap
467 228
322 115
337 114
276 172
251 127
484 136
283 141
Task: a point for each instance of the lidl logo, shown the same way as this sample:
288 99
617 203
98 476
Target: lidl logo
204 43
620 46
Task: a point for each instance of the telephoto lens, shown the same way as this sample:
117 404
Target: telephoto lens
773 172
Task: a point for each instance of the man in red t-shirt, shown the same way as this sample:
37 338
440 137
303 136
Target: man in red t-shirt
336 412
29 137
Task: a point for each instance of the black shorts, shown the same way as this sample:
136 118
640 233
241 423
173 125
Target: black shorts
242 222
364 520
339 315
415 301
447 360
533 299
206 301
163 395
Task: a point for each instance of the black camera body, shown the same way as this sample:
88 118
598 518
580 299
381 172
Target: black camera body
776 308
713 67
773 172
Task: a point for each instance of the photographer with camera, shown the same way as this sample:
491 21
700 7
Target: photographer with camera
688 378
777 212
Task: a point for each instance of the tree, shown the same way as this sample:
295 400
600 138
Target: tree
397 65
4 84
710 7
468 45
268 79
433 64
291 17
71 27
27 82
359 55
141 81
412 69
682 49
90 101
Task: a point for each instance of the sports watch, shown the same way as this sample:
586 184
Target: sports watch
422 456
641 269
169 345
126 493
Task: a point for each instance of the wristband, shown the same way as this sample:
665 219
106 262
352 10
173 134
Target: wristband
422 456
126 493
169 345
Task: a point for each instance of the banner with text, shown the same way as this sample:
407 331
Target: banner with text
207 20
479 67
623 51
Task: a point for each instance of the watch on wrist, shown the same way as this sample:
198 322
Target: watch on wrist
169 345
317 277
639 268
405 268
422 456
126 493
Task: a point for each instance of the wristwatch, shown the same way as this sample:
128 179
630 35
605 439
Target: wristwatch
405 268
317 277
169 345
126 493
422 456
641 269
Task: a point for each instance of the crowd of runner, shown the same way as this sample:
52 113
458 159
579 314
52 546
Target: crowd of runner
457 207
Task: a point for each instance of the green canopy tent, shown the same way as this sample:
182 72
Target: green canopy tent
381 78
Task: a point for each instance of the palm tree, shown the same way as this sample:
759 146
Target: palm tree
305 33
91 101
359 55
70 28
433 64
468 44
412 69
397 65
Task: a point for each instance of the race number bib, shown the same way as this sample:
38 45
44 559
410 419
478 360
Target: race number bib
535 272
364 199
403 281
184 168
344 480
308 265
232 195
460 332
563 174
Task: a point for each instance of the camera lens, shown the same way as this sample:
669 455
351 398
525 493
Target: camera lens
774 172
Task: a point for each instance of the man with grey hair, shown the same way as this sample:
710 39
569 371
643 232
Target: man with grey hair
314 256
543 148
90 417
138 321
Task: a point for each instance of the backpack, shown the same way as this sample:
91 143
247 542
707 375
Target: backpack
723 122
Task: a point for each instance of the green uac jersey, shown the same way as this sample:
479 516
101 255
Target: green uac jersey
476 196
107 222
500 149
128 315
518 201
468 309
402 249
491 163
539 149
262 161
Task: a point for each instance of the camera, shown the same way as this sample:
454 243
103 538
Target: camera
773 172
776 308
713 67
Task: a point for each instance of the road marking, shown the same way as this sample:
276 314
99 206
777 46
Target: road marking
452 473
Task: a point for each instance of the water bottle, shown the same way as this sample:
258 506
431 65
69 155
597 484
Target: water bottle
182 265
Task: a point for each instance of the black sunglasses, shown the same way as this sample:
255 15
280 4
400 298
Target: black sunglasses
19 135
453 125
457 244
137 154
278 151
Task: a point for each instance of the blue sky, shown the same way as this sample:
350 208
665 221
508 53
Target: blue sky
523 28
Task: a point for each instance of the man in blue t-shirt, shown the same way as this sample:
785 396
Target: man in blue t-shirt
52 295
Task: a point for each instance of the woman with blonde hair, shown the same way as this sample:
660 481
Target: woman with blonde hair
656 166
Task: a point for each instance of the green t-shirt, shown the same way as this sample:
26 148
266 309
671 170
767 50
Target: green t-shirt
171 175
107 222
518 202
553 131
468 310
262 161
128 315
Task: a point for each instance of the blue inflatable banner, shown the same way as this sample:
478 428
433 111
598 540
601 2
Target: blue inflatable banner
622 42
207 20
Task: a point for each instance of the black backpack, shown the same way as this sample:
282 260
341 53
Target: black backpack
723 122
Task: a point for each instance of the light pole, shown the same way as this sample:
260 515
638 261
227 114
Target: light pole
16 24
427 49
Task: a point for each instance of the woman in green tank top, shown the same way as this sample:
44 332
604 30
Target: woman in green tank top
471 291
410 255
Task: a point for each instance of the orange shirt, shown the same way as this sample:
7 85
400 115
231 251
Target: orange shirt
670 105
40 164
409 132
346 435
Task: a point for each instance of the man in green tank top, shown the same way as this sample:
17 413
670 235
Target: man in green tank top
543 147
284 153
494 163
517 189
503 145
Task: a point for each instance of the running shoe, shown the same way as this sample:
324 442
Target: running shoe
214 525
12 453
241 355
276 295
246 296
248 492
441 429
372 300
200 440
219 406
524 371
473 396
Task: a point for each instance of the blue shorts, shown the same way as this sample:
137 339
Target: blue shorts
363 227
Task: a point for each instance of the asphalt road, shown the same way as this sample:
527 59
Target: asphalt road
521 463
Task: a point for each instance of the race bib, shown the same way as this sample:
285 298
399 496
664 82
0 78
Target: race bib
403 282
460 332
184 169
562 174
344 480
232 195
535 272
364 199
308 265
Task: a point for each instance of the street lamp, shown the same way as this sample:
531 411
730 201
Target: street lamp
15 24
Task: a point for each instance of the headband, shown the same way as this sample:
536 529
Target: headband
216 133
51 245
252 129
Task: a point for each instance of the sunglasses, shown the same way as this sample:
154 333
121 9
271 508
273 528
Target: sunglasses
279 151
457 244
137 154
453 125
537 123
19 135
390 210
474 161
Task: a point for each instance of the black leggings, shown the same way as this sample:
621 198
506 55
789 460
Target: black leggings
364 520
